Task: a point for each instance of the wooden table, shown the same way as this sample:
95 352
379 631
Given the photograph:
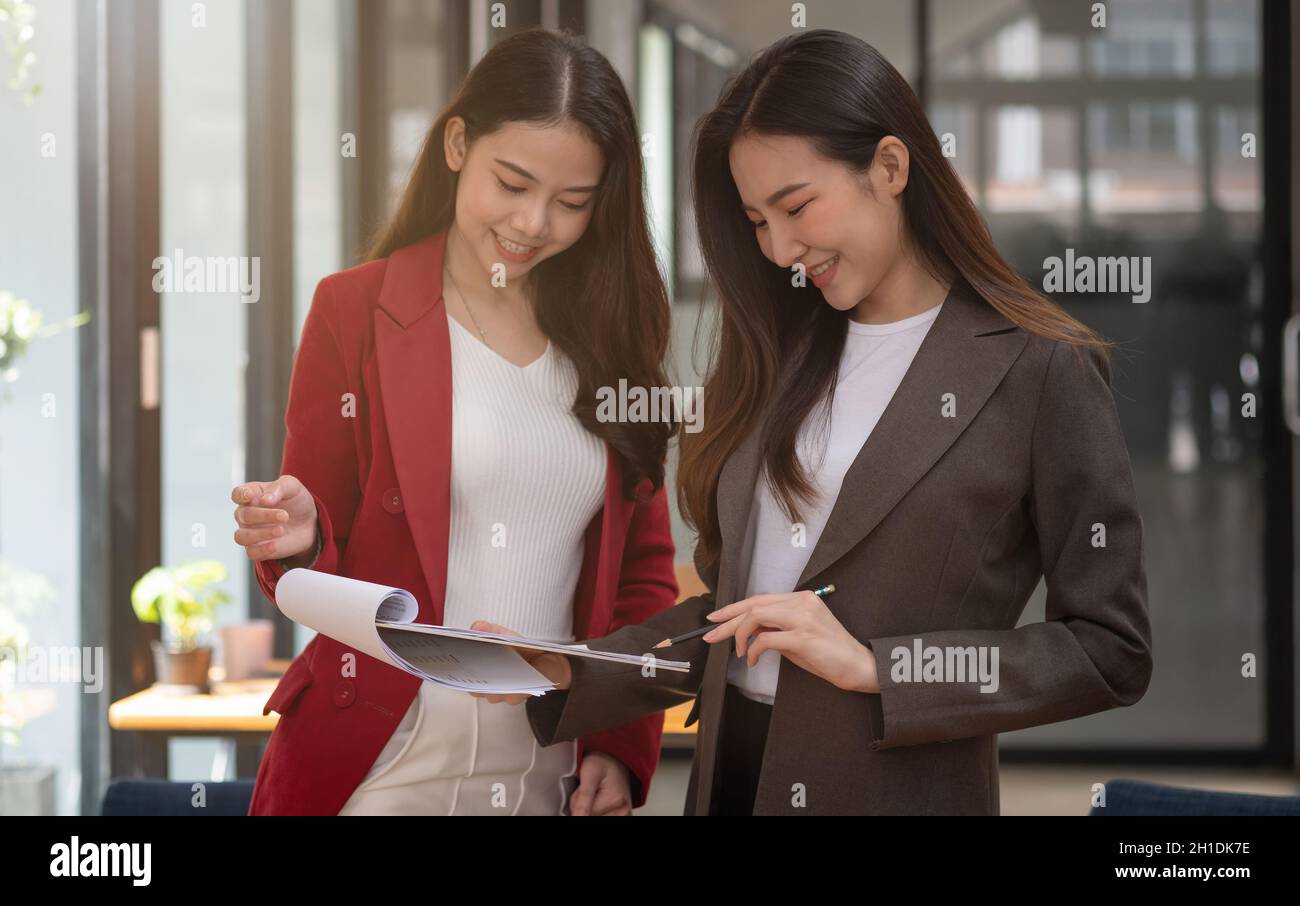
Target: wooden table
231 710
677 736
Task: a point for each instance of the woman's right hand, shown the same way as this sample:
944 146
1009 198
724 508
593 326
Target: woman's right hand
277 520
555 667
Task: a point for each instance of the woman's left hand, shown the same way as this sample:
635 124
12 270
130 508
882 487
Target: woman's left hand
800 627
603 787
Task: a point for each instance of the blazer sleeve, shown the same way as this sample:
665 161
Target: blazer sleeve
1093 650
647 586
319 441
604 694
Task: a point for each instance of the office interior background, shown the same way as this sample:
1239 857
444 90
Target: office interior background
134 128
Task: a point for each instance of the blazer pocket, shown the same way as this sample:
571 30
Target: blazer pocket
295 680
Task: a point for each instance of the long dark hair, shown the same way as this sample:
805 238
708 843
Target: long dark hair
777 353
602 301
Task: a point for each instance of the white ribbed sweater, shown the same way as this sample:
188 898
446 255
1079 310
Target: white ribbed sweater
526 481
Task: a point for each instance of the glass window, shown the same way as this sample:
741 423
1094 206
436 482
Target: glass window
204 334
320 154
1145 160
39 431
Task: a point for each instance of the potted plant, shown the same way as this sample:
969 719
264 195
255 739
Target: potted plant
183 601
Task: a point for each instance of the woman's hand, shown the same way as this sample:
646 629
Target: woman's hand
800 627
555 667
603 787
603 784
277 520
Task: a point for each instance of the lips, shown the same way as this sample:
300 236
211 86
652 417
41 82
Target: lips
513 251
824 273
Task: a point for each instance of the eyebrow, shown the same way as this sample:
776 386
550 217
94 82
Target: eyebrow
779 194
526 175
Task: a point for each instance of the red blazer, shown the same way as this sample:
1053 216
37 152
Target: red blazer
369 434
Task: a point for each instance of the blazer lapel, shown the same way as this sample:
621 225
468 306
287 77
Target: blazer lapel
735 498
967 351
414 353
614 518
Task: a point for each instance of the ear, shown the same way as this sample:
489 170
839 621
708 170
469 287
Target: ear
891 163
453 143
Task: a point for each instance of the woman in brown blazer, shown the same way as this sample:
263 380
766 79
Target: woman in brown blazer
918 428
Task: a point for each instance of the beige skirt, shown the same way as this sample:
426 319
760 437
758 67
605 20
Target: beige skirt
454 754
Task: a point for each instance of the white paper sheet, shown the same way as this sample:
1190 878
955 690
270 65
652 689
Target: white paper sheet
379 620
347 609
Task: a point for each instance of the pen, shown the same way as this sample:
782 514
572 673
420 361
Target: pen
695 633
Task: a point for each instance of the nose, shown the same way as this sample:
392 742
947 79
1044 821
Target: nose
530 220
786 247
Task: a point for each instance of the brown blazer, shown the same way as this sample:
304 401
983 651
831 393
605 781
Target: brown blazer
942 528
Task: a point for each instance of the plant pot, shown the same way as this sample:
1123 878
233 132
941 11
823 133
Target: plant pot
246 648
27 789
181 667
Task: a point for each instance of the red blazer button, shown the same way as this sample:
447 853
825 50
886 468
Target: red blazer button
393 500
345 693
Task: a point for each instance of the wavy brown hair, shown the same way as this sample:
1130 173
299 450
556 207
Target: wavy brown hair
776 353
602 301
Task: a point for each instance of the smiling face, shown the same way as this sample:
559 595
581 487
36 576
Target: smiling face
525 192
844 227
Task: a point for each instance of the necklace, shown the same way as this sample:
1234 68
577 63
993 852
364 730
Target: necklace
465 301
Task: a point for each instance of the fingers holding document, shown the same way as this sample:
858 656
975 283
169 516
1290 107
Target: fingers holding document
555 667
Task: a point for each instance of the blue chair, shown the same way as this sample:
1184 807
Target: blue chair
1134 797
134 796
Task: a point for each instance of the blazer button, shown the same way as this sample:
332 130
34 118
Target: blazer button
345 693
393 501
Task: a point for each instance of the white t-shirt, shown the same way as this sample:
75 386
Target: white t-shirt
875 358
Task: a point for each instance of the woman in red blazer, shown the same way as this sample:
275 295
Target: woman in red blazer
527 198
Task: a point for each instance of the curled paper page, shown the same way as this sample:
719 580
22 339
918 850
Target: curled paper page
344 609
348 610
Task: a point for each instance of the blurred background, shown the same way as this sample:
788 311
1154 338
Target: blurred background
135 128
